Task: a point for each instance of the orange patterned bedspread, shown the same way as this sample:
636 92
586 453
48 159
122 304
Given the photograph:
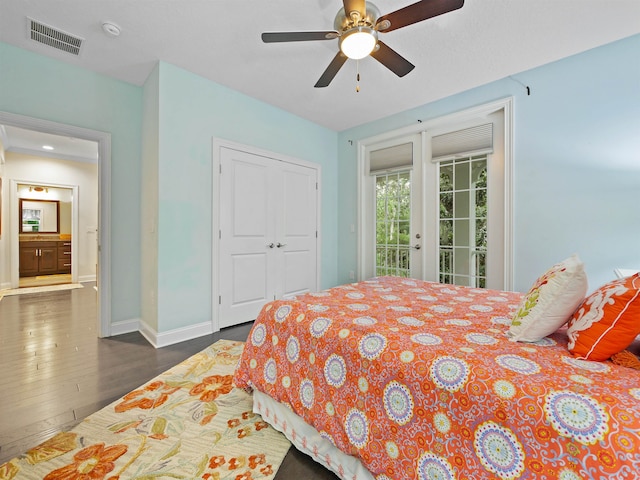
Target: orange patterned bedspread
418 380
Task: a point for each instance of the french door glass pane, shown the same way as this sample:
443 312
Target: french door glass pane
393 224
463 221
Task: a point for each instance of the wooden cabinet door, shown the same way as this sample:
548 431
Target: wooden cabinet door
48 260
28 261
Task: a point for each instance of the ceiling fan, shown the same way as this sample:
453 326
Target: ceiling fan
356 27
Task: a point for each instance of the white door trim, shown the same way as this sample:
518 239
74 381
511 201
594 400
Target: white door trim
104 204
456 118
217 145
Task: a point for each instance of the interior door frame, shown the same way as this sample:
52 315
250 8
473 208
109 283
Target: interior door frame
104 205
15 224
453 119
217 145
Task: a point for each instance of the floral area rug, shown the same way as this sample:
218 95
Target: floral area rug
189 422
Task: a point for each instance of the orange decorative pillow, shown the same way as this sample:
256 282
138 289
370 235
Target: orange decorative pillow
608 320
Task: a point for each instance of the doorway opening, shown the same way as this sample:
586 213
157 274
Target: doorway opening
10 245
48 228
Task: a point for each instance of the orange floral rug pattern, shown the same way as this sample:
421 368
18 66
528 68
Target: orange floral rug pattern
189 422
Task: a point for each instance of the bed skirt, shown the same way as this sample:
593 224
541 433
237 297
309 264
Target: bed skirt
307 439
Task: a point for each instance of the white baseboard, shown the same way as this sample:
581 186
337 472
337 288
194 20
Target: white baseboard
125 326
164 339
5 286
147 332
86 278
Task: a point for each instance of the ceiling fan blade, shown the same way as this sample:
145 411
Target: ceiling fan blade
417 12
392 60
354 6
331 70
272 37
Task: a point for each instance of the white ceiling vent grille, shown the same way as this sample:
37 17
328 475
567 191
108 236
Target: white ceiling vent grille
53 37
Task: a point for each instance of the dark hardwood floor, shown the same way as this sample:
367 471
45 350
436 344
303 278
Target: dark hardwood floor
56 371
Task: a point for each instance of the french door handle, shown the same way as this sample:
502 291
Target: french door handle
271 245
417 246
280 245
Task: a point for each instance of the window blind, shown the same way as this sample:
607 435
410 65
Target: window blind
391 158
466 142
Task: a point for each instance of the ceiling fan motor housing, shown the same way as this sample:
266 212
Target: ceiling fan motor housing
346 21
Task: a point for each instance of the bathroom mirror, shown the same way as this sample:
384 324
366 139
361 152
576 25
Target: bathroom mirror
39 216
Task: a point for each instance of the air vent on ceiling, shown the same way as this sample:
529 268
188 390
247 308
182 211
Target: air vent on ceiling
53 37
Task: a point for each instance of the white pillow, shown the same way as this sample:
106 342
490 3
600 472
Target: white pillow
550 302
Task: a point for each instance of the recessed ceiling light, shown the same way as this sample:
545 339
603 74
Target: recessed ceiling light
111 29
47 147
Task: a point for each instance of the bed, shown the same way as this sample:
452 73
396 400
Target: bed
395 378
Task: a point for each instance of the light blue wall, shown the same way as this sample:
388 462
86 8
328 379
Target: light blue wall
40 87
192 111
577 162
182 113
577 165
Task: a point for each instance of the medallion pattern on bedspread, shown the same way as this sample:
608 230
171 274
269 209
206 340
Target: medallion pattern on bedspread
418 380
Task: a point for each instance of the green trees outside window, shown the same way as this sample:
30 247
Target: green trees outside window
463 221
393 214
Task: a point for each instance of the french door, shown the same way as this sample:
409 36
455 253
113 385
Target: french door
396 194
462 221
440 214
268 233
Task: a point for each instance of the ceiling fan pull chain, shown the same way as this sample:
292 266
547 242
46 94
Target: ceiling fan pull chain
357 76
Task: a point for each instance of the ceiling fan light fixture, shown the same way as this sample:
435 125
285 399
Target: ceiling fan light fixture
358 42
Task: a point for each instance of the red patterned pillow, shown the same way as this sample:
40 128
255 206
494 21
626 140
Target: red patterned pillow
608 320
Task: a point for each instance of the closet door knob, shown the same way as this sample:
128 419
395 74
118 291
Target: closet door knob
280 245
271 245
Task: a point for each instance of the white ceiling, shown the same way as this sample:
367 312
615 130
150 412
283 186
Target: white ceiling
30 142
220 40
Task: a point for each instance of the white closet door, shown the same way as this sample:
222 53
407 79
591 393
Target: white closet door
247 231
296 225
268 239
